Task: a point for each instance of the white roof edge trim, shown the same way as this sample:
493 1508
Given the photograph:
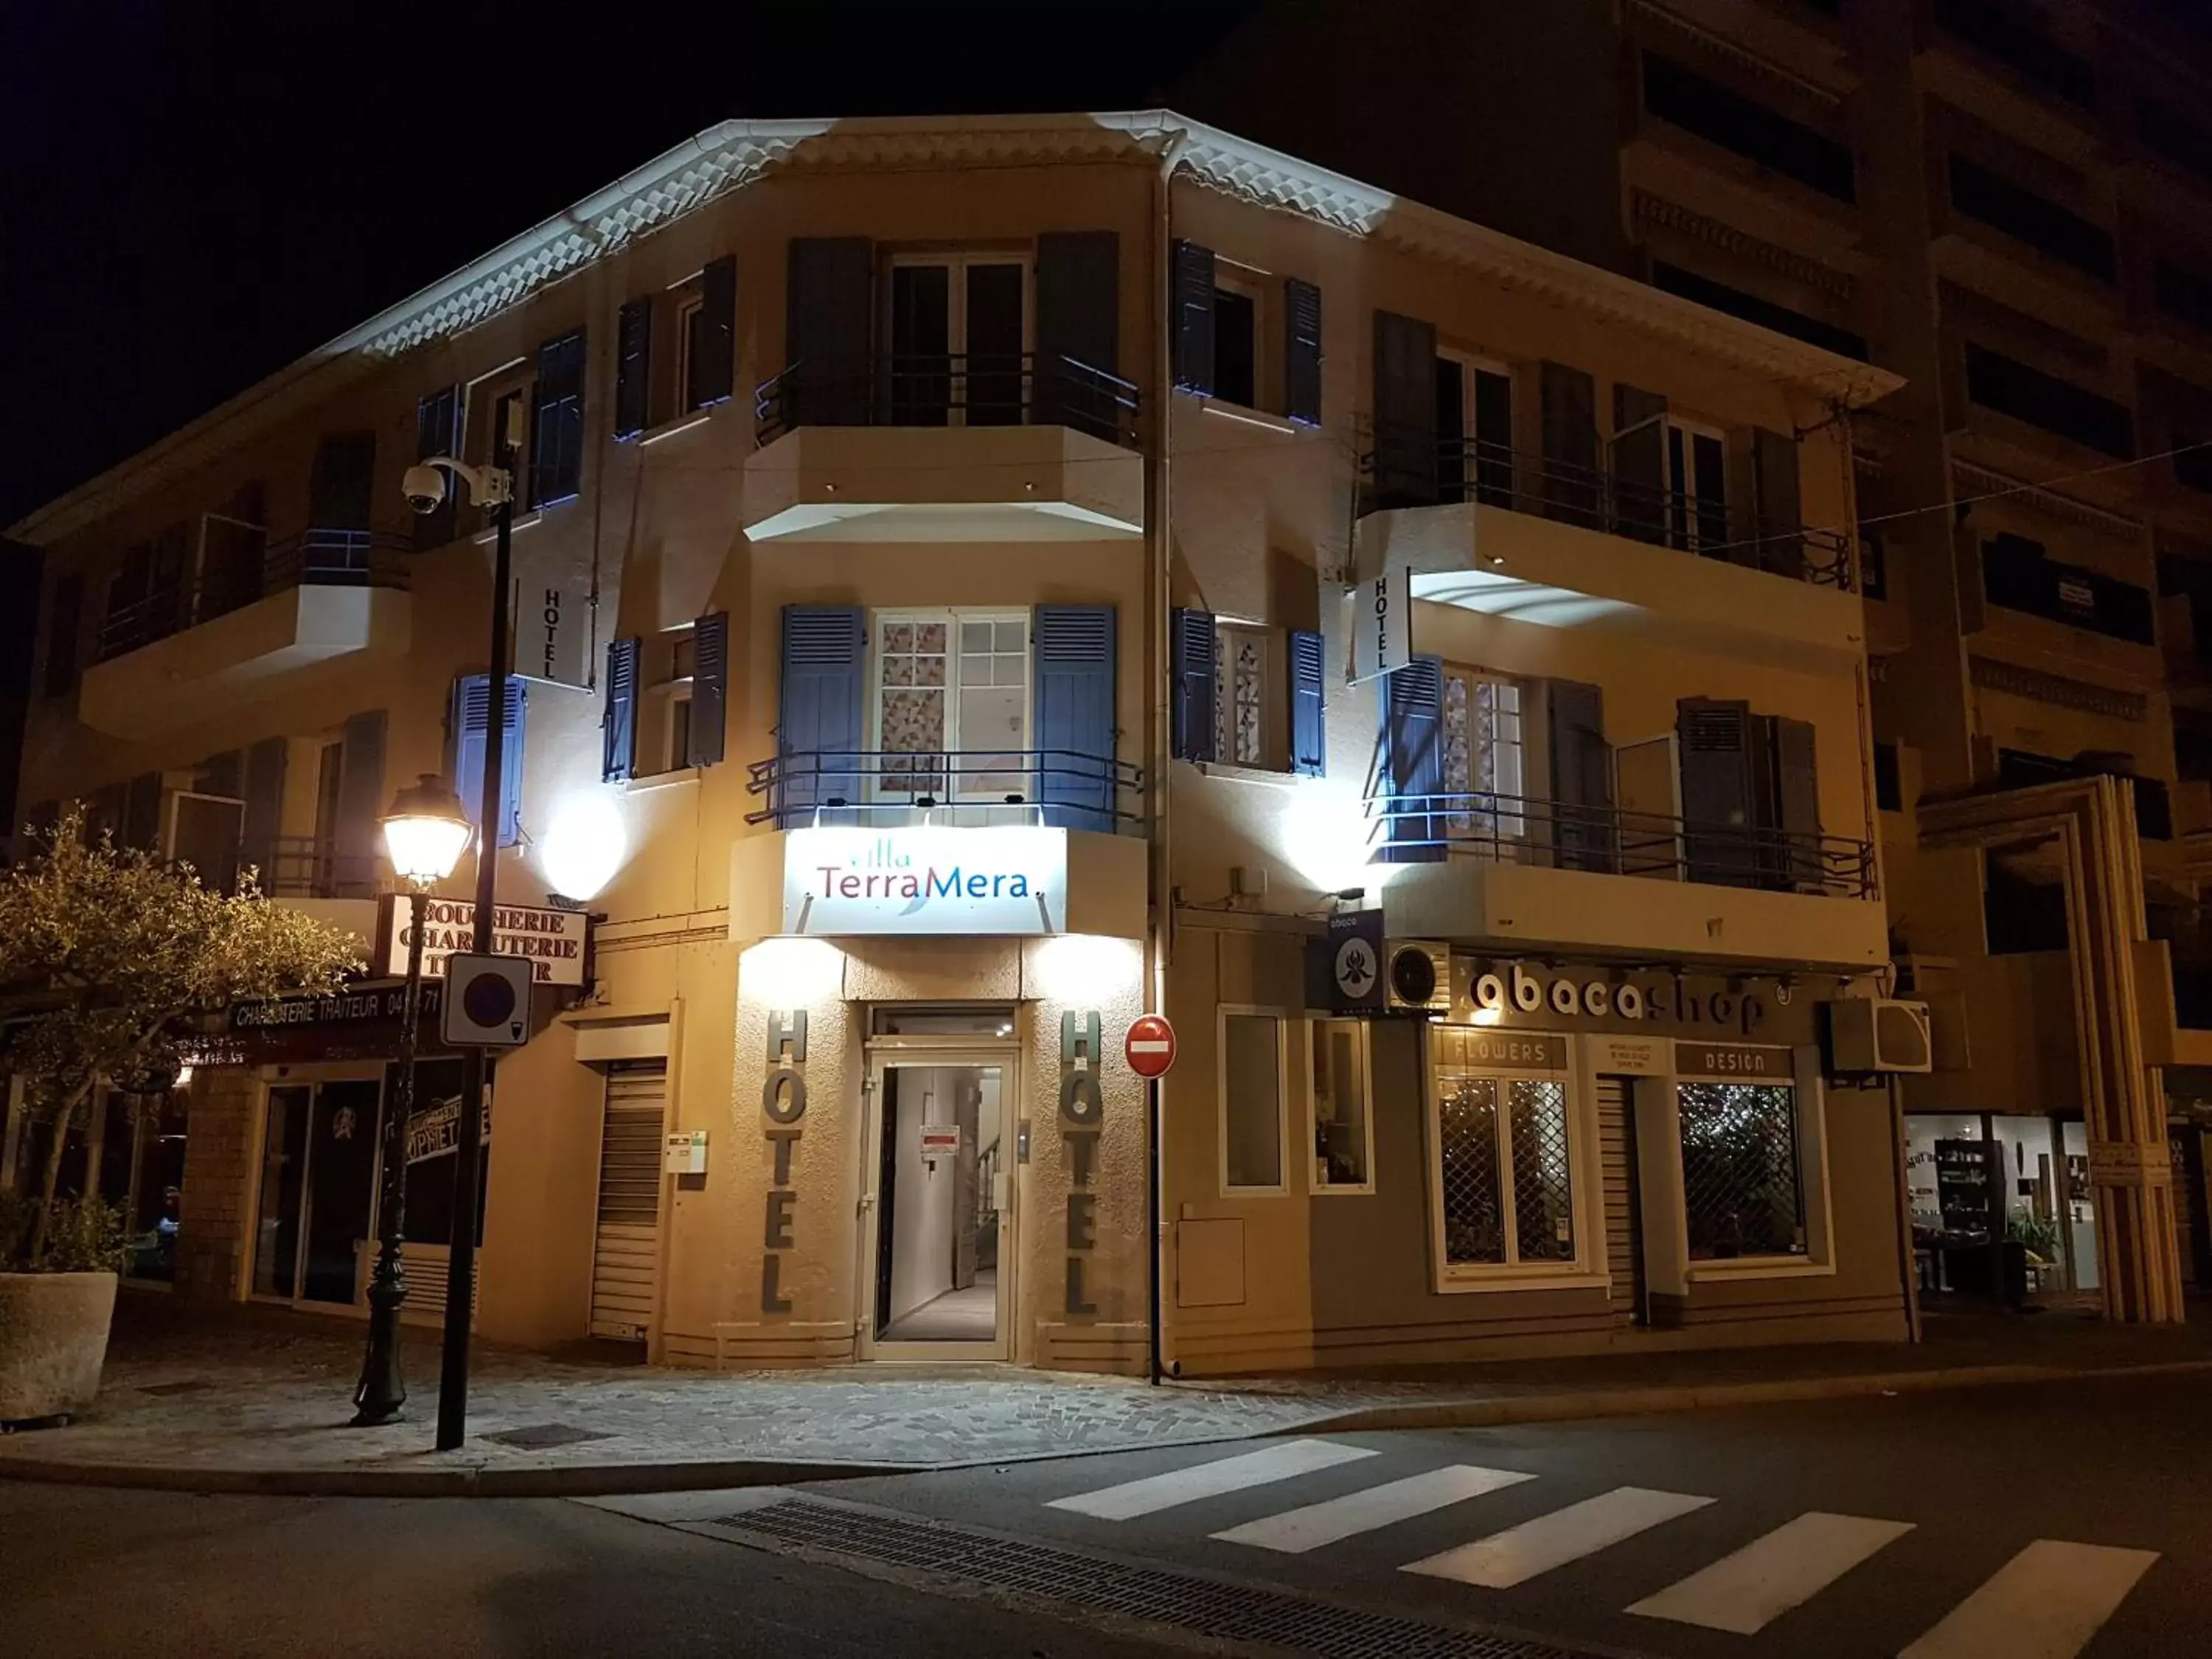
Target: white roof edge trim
734 153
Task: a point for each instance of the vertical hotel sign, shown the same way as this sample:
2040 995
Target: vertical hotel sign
553 619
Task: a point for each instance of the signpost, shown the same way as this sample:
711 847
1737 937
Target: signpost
1149 1049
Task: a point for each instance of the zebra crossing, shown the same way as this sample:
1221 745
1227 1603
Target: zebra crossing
2047 1602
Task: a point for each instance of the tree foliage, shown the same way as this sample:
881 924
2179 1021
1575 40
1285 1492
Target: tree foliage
109 957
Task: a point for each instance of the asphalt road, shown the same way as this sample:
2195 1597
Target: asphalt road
2020 1523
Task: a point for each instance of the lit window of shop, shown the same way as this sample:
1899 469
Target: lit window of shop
1482 755
952 685
1743 1189
1343 1129
1251 1101
1503 1155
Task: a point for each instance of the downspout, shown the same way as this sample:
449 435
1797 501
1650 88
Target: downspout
1160 758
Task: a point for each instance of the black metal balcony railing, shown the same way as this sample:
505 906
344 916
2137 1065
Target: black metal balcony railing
322 557
1614 841
309 866
1596 498
885 787
964 389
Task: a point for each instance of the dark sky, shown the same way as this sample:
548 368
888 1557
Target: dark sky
194 193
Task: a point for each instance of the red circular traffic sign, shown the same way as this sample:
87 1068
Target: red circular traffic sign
1150 1046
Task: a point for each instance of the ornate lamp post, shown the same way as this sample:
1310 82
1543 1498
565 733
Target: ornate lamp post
424 834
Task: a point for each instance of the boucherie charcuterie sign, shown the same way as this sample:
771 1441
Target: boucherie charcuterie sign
553 940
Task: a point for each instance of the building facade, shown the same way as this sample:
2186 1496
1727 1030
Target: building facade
2008 205
978 580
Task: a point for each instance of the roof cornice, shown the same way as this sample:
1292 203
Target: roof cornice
735 154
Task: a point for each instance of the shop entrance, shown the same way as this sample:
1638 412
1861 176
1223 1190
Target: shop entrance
938 1250
2002 1208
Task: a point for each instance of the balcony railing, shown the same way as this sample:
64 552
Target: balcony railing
308 867
957 787
1614 841
959 389
1598 498
323 557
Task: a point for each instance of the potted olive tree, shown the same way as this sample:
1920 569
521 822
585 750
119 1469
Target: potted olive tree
110 960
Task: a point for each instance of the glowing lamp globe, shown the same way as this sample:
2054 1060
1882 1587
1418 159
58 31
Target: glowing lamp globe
426 831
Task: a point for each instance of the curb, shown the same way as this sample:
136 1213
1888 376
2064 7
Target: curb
618 1480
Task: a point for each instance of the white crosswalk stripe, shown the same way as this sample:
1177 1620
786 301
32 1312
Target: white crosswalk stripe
1296 1531
1520 1554
1163 1492
2044 1603
1748 1590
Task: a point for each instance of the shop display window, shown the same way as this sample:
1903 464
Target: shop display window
1343 1127
1504 1189
1742 1177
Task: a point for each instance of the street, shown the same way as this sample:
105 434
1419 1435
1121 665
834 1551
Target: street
2032 1523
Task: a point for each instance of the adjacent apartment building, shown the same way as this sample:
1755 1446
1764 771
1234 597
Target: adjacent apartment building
2009 205
947 561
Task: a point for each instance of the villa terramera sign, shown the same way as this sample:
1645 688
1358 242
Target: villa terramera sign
1000 879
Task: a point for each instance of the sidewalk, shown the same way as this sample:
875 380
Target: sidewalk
258 1399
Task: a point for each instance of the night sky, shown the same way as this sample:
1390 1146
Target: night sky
187 206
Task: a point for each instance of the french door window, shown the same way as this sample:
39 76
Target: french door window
953 683
1696 488
1483 756
959 331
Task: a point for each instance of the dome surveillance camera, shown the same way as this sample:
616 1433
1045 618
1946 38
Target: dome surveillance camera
425 488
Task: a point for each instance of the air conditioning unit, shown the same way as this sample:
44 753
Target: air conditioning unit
1417 976
1878 1034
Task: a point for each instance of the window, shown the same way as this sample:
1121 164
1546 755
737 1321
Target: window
500 403
1240 702
1236 344
1687 100
689 305
958 328
1483 756
668 700
1343 1129
1474 431
2015 41
1503 1164
1697 488
953 683
1251 1101
2011 387
2022 215
2180 141
1743 1192
1888 781
1673 279
64 631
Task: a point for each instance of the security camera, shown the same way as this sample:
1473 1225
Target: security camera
425 488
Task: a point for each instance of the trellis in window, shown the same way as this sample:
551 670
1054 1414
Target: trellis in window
1482 756
1742 1181
1504 1166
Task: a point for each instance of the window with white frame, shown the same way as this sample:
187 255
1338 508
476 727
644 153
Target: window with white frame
1240 700
1483 756
1743 1184
952 683
958 326
1343 1126
1697 487
1239 356
687 302
1503 1164
1251 1101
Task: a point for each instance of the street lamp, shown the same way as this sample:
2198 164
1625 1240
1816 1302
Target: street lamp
424 834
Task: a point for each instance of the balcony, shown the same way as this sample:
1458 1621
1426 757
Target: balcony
842 828
187 649
1613 880
965 448
1559 545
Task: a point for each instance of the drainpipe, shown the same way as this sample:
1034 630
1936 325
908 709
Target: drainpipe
1161 741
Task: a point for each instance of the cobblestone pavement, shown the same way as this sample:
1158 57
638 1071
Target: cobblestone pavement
269 1390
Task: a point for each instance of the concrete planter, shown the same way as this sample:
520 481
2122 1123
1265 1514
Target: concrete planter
53 1336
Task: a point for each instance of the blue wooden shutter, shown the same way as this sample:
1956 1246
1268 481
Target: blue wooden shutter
618 748
1308 731
1073 649
633 367
1412 756
818 731
711 362
1192 653
710 687
557 432
1583 834
1193 319
1301 351
470 722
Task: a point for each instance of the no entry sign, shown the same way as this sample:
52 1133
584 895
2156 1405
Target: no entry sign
1150 1046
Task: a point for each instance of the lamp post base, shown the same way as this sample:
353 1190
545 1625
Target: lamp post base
382 1391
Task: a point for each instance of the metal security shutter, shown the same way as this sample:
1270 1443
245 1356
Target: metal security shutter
626 1256
1624 1229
